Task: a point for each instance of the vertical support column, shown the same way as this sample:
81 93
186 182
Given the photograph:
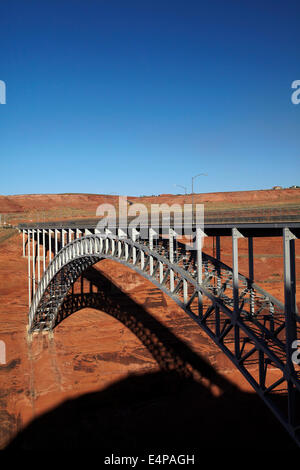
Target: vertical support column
290 314
56 241
62 238
113 244
33 263
171 257
50 243
119 243
44 250
235 271
235 234
218 248
199 236
29 270
38 254
152 234
250 258
289 288
134 237
23 239
218 257
251 272
121 234
107 235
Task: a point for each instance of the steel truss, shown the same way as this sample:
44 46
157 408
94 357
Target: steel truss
249 325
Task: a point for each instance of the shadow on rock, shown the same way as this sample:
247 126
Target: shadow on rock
155 412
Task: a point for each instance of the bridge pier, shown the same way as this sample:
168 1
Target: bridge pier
171 257
199 242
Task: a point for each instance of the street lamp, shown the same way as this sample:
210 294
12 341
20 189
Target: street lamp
194 177
183 187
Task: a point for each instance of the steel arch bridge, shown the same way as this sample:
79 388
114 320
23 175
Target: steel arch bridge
250 326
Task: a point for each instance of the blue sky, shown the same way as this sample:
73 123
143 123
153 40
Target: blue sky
134 97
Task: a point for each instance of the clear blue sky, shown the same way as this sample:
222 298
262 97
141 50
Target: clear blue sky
133 97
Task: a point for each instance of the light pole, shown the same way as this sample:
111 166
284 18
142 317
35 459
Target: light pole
194 177
183 187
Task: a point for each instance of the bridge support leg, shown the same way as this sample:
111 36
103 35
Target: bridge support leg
44 250
55 241
29 273
235 234
38 254
218 257
33 263
251 272
199 238
171 257
23 240
63 238
290 315
50 243
134 238
151 235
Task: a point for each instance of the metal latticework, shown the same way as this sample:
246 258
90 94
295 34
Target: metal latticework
248 324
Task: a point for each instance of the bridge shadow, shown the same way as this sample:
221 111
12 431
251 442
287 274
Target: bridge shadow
170 353
169 411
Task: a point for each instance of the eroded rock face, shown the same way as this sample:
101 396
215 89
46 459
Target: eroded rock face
139 331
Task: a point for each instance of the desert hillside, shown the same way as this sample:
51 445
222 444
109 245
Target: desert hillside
43 207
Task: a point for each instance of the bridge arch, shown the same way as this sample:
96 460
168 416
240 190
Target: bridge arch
178 280
73 259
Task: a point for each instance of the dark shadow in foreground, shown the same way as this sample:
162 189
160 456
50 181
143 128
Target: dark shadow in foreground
155 412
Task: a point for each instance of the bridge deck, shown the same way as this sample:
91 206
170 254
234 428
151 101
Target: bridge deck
248 229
